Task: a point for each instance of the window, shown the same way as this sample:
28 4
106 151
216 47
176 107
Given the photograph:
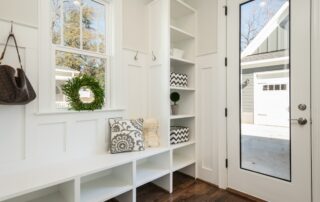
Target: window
79 37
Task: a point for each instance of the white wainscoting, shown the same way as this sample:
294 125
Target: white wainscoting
28 135
209 115
137 83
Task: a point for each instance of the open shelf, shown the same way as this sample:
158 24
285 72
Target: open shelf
106 184
186 104
182 89
178 34
185 144
180 9
183 116
63 193
183 157
152 168
180 62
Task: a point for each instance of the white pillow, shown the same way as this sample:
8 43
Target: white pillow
126 135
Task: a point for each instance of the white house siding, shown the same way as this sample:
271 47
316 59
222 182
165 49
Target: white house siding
247 99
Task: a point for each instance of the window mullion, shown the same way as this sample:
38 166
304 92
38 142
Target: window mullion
81 30
61 22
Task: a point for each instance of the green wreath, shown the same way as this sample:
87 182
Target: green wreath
71 90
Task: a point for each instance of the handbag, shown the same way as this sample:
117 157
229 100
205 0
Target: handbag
15 87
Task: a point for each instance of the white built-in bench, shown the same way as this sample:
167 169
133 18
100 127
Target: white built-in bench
91 179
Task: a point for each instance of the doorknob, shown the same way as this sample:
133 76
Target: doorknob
301 121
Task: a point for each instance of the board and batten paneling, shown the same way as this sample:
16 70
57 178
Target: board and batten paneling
136 70
27 134
209 115
158 66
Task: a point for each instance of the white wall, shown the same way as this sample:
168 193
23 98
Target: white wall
135 25
207 25
25 11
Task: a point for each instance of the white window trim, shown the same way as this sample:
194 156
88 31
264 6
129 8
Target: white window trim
114 68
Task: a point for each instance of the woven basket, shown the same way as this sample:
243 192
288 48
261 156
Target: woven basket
179 134
178 80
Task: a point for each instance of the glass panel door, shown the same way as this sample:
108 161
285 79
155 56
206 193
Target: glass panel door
265 87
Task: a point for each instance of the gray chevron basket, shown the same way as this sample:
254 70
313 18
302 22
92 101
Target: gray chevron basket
178 80
179 134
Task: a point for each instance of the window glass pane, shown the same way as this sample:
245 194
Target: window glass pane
93 26
56 21
69 65
265 88
71 26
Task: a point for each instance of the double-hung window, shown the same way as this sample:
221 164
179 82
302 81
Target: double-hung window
79 41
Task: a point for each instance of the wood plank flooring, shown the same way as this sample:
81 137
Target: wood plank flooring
187 189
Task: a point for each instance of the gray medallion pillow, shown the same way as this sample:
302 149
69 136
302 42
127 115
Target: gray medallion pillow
126 135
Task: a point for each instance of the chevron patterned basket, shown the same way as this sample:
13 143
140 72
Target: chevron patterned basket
179 134
178 80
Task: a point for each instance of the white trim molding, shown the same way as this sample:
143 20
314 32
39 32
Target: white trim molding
315 102
222 53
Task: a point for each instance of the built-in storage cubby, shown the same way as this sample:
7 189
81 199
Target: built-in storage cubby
189 123
152 168
125 197
64 192
186 104
183 16
183 67
183 157
107 184
182 30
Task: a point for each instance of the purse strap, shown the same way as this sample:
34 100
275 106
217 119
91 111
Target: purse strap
11 35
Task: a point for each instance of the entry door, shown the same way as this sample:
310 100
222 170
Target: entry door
268 99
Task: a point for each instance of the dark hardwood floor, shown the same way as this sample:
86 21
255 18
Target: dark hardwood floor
186 189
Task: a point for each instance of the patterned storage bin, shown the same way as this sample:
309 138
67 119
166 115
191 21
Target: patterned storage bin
179 134
178 80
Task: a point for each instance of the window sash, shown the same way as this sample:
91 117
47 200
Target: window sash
108 49
106 4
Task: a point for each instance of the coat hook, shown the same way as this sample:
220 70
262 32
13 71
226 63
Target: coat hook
136 56
154 58
11 31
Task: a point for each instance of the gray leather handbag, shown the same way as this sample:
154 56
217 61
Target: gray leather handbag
15 88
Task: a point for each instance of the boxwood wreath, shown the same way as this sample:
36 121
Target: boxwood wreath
71 90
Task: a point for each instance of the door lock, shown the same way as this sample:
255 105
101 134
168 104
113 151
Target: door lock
302 107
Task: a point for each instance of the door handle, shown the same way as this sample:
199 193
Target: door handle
301 121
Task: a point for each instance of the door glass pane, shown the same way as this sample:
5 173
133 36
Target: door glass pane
265 87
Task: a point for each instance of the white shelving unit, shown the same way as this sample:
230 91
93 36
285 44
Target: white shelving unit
182 36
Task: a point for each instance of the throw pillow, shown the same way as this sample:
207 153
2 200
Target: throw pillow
126 135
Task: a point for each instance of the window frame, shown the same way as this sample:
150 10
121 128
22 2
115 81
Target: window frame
108 55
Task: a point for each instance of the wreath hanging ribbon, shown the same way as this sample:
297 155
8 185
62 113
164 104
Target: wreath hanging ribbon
71 90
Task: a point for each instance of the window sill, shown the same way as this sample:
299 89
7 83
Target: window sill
57 112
